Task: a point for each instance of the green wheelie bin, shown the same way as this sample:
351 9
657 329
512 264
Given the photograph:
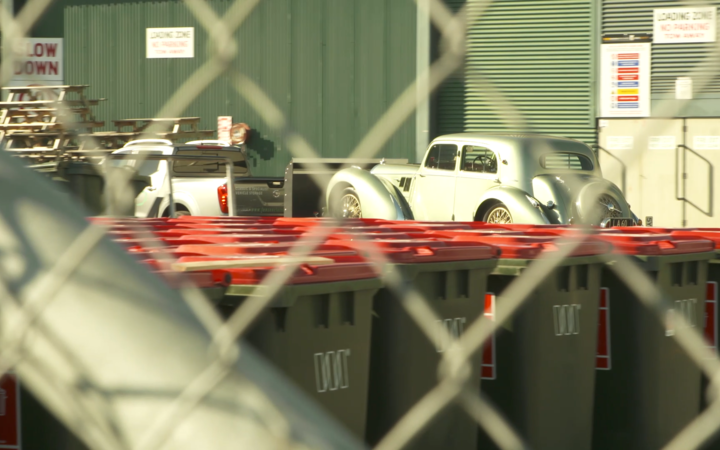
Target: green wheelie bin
317 331
539 367
647 390
404 360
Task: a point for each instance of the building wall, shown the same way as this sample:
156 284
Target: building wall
332 66
530 68
669 61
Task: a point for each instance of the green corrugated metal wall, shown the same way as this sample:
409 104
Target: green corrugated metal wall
538 54
333 66
450 116
669 61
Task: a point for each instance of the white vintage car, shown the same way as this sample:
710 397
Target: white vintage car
484 177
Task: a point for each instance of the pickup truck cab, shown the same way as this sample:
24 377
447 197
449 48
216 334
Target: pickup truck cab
486 177
199 186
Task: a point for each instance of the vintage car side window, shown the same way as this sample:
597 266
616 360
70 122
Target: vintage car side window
566 161
441 156
478 159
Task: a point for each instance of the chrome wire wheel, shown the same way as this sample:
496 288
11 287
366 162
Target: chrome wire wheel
350 206
608 208
499 214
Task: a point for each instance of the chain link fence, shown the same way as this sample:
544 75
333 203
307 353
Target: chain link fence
28 300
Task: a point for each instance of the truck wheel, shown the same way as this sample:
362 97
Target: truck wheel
498 214
182 213
348 205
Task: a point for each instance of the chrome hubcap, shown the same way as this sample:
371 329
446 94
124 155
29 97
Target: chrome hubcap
499 215
350 207
609 209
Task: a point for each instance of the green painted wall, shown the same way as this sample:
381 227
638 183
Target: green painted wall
332 66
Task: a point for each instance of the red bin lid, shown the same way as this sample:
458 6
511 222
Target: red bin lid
306 274
712 234
413 251
656 244
588 247
236 238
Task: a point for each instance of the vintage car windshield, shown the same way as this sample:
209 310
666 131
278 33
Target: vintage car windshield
566 161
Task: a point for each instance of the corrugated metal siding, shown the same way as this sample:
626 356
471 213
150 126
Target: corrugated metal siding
538 55
669 61
450 116
333 66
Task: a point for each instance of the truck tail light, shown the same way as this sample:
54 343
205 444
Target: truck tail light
223 198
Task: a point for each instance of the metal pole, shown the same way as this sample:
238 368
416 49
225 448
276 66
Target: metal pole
170 189
229 170
422 65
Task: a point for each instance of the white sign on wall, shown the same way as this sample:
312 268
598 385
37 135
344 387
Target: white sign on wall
620 142
706 143
625 80
661 143
683 88
675 25
39 61
224 128
170 42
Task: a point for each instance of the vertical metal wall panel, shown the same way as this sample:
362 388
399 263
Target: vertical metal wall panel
338 79
450 99
669 61
370 92
332 66
537 54
400 70
307 81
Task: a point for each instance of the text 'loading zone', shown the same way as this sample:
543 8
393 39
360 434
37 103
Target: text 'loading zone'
331 370
566 319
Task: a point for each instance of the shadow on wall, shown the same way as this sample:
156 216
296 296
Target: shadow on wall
264 149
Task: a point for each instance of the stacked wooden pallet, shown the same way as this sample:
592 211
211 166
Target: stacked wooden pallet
41 122
51 123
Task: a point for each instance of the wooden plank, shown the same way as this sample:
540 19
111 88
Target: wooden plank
161 119
260 261
69 87
41 103
48 111
111 134
186 134
53 125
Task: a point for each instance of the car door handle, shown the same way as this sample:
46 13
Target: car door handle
421 175
150 188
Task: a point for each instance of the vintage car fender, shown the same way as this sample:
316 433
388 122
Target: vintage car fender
379 199
522 208
589 193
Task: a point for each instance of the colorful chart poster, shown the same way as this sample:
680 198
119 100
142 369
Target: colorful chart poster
625 80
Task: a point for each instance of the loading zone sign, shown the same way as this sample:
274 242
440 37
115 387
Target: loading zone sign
170 42
625 80
681 25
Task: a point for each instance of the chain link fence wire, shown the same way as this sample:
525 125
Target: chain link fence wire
36 346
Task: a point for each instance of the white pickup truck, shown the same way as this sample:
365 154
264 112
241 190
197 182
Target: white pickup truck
199 187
